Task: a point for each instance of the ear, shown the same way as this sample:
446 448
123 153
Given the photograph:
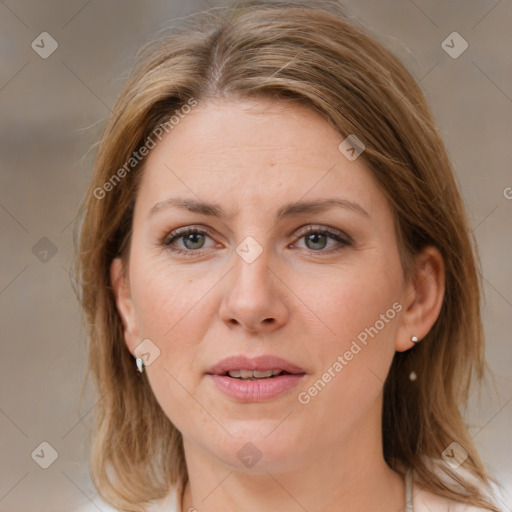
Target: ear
422 298
125 308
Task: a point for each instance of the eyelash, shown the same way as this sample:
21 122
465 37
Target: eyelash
179 233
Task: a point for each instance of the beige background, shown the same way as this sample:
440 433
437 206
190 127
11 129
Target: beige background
51 114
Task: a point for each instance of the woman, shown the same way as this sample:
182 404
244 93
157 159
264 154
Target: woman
279 279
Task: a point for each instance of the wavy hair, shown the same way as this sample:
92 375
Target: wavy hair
338 69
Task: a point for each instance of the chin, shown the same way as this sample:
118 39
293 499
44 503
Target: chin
256 453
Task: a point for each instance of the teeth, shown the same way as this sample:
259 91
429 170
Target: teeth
262 373
253 374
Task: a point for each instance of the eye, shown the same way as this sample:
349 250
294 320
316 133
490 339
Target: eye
193 239
316 239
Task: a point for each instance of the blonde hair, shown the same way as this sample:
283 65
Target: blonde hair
336 68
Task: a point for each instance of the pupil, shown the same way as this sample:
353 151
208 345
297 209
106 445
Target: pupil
315 235
190 238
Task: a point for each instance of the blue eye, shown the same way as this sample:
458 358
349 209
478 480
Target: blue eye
193 240
320 236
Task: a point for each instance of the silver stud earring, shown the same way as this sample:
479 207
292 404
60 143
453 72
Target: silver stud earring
414 339
140 364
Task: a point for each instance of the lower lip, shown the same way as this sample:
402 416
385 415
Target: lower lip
256 390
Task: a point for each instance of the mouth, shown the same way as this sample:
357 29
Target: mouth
260 367
256 379
255 374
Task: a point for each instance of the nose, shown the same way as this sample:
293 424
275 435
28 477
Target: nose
255 297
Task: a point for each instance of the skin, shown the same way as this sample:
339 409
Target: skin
251 158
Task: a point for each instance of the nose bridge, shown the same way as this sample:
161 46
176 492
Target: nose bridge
253 298
252 268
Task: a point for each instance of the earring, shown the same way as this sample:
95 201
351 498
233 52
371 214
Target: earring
140 364
414 339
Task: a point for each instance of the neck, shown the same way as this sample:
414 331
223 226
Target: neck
381 490
348 473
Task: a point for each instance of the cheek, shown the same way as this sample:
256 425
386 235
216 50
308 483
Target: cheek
349 301
167 298
361 310
170 309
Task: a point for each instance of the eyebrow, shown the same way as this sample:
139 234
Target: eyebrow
289 210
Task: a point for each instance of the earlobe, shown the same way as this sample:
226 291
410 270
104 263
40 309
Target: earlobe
422 299
123 298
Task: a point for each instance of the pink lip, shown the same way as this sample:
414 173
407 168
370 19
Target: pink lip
255 390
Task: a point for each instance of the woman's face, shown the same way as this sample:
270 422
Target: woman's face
252 282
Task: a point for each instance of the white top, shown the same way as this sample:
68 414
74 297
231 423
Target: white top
170 503
416 499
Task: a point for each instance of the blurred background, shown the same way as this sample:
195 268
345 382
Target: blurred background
62 64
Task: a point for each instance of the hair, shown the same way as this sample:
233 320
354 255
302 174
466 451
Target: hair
339 70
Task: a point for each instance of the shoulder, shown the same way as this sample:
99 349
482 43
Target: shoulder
94 505
426 501
167 504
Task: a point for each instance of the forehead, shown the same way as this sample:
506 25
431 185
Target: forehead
241 128
253 152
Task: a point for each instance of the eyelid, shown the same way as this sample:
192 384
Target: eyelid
336 233
176 233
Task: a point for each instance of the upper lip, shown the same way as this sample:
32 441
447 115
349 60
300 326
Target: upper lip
264 362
